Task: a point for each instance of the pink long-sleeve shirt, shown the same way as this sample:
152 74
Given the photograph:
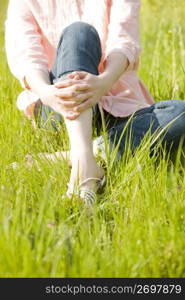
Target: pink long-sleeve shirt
33 29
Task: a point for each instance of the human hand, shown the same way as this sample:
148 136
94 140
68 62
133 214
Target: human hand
63 105
72 92
81 101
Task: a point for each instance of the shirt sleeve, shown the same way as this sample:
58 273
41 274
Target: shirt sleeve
123 30
23 41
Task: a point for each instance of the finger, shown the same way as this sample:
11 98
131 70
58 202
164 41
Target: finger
65 95
73 102
65 83
77 77
83 97
68 104
74 76
81 87
81 74
72 92
84 106
72 116
72 73
76 87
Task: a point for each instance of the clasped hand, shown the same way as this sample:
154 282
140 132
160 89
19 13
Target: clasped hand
80 91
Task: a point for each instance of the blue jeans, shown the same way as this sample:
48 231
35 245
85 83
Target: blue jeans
79 48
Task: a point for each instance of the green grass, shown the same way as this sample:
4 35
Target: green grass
137 229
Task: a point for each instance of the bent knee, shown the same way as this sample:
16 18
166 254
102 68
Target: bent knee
168 110
177 106
80 26
171 114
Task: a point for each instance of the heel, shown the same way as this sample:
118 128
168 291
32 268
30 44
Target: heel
88 195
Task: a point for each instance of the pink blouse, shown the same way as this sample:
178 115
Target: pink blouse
33 29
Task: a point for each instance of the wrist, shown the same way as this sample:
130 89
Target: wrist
107 81
42 90
115 66
45 93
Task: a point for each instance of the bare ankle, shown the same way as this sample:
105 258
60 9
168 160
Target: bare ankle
82 153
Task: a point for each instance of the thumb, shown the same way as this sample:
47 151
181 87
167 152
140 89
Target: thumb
80 74
73 76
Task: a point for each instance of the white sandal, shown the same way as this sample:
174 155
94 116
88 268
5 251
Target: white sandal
88 195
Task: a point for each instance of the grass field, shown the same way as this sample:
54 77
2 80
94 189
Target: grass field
137 229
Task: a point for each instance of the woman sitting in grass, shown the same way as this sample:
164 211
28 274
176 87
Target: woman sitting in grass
77 61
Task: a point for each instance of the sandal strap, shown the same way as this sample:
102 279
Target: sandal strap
90 178
86 193
88 196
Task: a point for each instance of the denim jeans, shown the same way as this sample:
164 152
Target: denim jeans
79 48
165 118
